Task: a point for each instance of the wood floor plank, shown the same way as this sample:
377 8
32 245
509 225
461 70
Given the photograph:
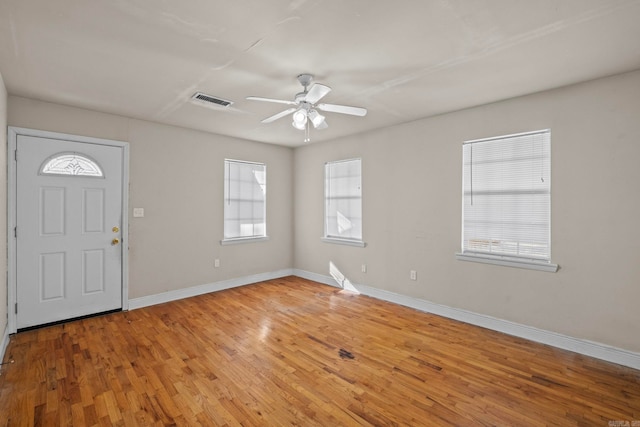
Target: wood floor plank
294 352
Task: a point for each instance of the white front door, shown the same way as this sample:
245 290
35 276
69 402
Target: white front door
68 234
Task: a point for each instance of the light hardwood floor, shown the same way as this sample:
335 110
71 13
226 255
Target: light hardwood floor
294 352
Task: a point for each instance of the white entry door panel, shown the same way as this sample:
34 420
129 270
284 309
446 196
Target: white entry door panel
69 240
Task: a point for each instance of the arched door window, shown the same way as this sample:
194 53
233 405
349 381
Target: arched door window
72 164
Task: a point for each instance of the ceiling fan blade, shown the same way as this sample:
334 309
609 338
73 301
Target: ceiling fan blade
344 109
279 115
316 93
278 101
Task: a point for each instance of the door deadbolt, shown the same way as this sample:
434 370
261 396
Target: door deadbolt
115 229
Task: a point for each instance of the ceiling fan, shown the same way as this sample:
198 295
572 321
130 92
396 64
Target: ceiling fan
305 106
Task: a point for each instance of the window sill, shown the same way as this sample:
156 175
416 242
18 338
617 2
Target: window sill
348 242
507 262
243 240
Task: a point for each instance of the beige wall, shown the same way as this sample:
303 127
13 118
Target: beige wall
3 208
412 212
176 176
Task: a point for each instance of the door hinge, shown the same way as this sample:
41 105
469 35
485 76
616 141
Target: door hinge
15 154
16 308
15 231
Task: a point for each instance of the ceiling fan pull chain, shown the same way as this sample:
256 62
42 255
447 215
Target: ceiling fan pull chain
306 132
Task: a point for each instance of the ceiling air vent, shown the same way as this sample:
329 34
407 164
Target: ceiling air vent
208 99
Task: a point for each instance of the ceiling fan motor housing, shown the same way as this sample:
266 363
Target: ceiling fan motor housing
305 80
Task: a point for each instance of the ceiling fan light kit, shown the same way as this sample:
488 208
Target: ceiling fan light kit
300 119
306 105
316 118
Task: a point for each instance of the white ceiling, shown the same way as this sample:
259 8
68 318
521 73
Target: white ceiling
402 60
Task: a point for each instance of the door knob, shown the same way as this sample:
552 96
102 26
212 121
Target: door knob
115 241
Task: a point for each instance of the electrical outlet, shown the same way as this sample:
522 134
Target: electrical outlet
364 268
413 275
216 263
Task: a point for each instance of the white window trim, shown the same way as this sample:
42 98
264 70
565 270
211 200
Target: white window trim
248 239
336 239
508 262
240 240
347 242
502 260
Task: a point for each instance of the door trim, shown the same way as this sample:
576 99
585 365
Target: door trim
12 142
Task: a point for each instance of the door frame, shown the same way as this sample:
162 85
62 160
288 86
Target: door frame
12 193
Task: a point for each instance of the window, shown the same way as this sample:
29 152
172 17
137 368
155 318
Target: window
343 202
245 192
71 164
506 196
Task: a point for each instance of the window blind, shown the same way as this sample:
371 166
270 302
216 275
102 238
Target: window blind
343 199
507 196
245 188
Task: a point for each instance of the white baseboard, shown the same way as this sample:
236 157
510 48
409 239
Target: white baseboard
585 347
205 289
320 278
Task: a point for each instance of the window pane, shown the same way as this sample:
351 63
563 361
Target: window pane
343 199
71 164
244 199
507 196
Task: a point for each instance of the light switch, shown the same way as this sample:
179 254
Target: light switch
138 212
